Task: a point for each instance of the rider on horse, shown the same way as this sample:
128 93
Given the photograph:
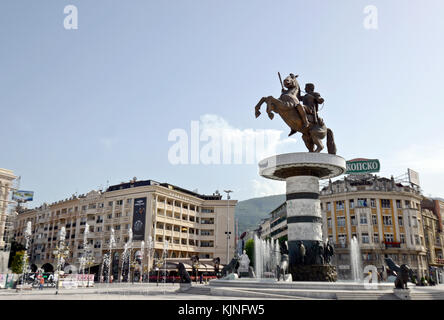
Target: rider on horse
310 101
291 97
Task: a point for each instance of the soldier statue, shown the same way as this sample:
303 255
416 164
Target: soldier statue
300 113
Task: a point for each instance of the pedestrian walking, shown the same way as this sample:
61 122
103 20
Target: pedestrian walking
41 282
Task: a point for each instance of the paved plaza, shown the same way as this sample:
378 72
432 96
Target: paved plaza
170 291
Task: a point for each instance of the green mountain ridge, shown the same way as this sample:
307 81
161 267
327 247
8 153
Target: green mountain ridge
250 212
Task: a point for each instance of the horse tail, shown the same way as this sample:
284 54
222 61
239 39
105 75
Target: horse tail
331 146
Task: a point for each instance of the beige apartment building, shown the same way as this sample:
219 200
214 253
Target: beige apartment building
193 224
384 216
6 179
431 211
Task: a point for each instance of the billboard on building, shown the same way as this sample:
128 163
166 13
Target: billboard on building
21 195
362 166
413 177
139 215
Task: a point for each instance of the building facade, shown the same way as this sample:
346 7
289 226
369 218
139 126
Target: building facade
384 216
434 236
6 179
193 224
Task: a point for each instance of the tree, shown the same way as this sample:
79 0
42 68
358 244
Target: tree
249 249
283 239
15 246
17 262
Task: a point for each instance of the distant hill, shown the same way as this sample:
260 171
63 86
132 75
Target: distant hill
250 212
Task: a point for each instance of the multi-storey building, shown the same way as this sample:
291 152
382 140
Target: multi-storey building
193 224
6 179
275 227
434 236
383 215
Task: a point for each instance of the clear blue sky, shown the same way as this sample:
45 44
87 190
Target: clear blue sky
80 107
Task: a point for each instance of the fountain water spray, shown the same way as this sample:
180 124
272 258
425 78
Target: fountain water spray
85 245
267 256
355 260
130 246
142 250
112 243
124 257
150 248
28 233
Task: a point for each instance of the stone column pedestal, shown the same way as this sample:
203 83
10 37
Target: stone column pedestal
302 172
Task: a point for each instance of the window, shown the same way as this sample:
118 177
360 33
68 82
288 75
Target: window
128 201
362 202
329 222
352 204
353 220
373 203
339 205
119 202
388 237
417 240
363 218
400 222
110 204
365 238
374 219
402 238
376 238
398 204
415 222
328 206
407 203
385 203
387 220
341 221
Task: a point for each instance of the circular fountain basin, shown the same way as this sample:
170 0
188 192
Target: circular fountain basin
271 288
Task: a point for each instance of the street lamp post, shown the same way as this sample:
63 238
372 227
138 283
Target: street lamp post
61 252
89 263
228 229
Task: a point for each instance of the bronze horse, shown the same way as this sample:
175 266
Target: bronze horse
311 135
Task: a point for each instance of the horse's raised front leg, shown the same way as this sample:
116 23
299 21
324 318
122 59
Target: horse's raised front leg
258 106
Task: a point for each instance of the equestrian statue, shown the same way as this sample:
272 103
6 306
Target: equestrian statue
300 113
